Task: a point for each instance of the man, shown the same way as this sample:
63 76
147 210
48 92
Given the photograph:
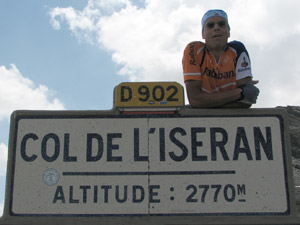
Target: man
217 74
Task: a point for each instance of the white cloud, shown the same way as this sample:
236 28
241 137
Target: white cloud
3 159
18 92
80 23
147 43
83 24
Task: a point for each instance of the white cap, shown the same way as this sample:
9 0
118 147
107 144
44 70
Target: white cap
213 12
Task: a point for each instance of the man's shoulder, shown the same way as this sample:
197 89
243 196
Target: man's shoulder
194 47
237 46
195 44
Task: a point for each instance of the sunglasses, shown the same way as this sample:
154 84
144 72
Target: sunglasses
212 24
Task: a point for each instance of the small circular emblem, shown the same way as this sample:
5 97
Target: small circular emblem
50 176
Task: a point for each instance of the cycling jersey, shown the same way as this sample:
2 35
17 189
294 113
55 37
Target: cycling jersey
200 64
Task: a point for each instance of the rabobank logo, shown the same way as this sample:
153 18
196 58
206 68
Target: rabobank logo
243 63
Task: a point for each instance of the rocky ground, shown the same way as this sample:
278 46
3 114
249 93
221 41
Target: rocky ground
294 125
296 171
297 186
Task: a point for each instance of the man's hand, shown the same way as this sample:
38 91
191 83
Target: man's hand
250 93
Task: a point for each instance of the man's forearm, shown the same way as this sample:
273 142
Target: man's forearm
214 100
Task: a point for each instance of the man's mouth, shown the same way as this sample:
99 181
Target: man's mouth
217 35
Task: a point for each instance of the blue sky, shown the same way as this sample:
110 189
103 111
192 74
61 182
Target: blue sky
80 75
55 58
61 54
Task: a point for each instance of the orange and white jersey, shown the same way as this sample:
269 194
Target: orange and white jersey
200 64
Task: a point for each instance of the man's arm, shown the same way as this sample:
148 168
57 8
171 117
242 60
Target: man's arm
237 104
244 81
227 99
200 99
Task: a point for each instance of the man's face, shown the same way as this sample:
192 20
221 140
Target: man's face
216 32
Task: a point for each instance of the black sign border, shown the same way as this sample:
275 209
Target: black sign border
251 214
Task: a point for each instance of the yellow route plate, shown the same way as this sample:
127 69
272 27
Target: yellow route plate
149 94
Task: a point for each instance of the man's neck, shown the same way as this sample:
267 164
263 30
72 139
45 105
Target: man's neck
217 52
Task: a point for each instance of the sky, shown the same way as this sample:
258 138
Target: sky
69 55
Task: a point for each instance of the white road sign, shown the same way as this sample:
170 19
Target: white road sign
167 165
